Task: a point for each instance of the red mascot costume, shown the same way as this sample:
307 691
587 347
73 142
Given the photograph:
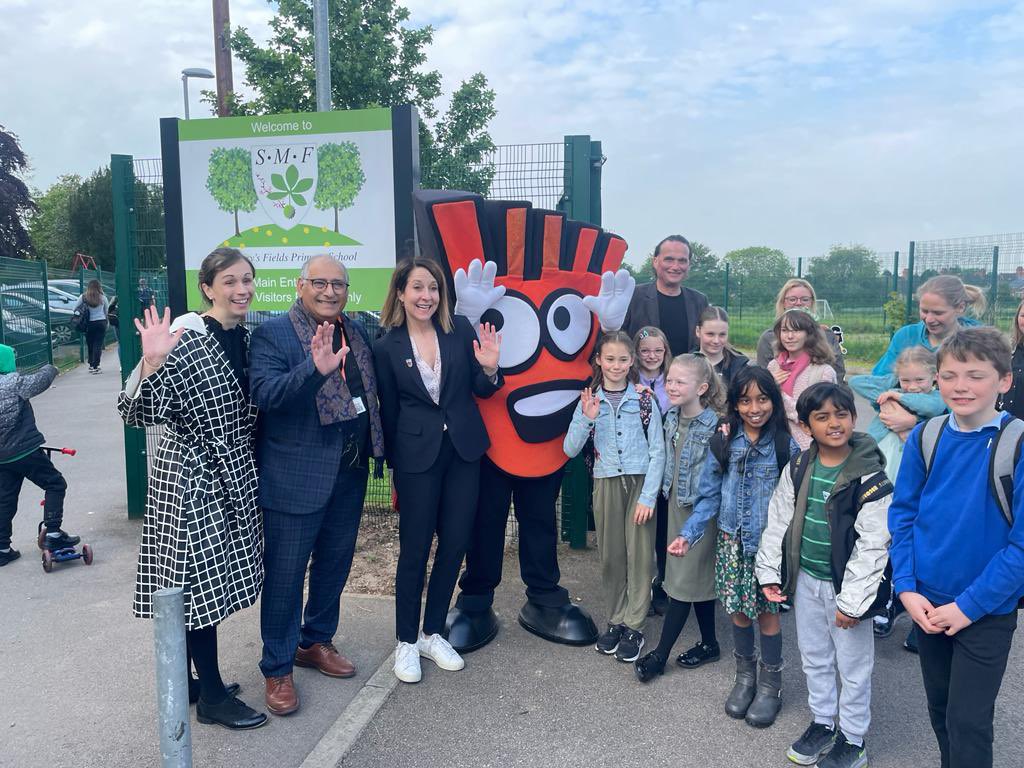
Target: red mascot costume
547 284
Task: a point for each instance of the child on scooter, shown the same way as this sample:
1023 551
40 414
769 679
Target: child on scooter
21 456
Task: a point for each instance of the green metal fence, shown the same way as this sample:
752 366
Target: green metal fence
540 173
25 313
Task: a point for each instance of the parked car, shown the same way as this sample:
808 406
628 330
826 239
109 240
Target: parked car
22 306
57 298
22 330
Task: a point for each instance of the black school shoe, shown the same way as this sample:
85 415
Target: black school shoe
608 642
232 713
648 667
659 599
9 556
910 644
701 653
630 645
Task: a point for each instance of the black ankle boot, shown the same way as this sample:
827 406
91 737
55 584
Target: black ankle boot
768 700
231 713
648 667
701 653
742 693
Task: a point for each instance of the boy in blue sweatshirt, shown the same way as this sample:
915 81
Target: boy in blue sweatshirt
22 458
958 565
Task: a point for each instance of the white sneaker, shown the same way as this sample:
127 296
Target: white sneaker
407 663
440 651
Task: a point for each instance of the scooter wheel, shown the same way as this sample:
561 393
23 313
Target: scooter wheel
87 554
47 560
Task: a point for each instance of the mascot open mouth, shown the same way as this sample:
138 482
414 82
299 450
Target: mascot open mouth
542 412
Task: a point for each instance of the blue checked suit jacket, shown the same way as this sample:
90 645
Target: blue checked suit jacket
298 458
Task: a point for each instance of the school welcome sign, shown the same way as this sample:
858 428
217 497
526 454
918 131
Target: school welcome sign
282 188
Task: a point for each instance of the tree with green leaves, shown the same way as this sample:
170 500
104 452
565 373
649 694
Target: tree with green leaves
50 226
16 204
91 216
230 181
848 274
377 60
758 273
340 177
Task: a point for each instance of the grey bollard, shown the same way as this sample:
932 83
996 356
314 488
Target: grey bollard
172 679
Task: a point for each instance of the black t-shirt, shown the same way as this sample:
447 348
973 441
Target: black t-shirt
358 430
672 318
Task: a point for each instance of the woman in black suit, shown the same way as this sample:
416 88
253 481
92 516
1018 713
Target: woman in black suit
429 367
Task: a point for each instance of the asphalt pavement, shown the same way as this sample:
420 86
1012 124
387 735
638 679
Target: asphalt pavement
78 669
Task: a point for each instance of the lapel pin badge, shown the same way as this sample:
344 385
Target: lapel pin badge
408 362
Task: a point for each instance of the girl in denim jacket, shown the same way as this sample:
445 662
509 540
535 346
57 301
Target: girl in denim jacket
629 457
696 396
737 490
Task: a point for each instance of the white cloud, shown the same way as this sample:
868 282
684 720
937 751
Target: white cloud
798 126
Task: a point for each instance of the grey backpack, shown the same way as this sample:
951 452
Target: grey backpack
1005 454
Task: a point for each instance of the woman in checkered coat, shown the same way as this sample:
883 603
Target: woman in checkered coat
202 530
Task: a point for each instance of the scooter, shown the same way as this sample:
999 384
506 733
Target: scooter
49 557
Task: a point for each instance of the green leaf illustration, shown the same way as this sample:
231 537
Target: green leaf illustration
299 199
304 185
291 176
278 181
276 195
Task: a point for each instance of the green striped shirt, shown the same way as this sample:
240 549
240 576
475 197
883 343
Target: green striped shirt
815 543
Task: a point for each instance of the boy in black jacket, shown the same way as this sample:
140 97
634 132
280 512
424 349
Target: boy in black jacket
21 456
826 544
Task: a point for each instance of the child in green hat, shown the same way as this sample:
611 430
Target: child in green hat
21 456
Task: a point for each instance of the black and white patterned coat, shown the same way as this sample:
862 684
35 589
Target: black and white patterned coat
202 529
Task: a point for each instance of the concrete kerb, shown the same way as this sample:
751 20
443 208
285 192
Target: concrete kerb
330 751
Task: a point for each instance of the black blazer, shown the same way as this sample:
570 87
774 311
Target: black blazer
643 310
413 425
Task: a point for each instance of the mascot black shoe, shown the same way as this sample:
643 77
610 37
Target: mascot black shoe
549 285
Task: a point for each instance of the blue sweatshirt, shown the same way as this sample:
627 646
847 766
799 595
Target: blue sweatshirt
950 540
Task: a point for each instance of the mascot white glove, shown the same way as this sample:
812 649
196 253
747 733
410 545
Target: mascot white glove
611 304
476 292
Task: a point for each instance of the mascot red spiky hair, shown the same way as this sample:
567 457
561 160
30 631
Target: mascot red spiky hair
547 284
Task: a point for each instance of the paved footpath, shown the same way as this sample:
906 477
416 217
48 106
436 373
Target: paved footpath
78 668
79 689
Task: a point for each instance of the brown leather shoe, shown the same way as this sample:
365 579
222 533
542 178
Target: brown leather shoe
325 657
281 698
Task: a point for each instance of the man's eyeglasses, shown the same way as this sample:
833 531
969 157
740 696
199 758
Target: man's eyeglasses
321 285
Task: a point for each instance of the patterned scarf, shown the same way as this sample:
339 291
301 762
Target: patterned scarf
333 400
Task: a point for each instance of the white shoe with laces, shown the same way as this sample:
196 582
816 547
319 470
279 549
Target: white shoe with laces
407 663
440 651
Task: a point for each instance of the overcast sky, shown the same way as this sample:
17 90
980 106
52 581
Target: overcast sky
790 124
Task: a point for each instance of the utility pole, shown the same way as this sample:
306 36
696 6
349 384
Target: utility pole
322 55
222 54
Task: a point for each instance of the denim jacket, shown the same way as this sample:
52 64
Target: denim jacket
691 458
738 494
620 446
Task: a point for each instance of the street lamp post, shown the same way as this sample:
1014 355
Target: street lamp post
192 72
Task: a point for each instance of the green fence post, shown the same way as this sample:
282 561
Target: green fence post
81 336
896 272
123 193
908 313
799 266
995 282
3 339
46 312
581 200
725 298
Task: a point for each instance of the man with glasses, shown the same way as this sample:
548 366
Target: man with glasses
666 303
312 377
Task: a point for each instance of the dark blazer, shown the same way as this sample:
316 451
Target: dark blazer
298 458
412 423
643 310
